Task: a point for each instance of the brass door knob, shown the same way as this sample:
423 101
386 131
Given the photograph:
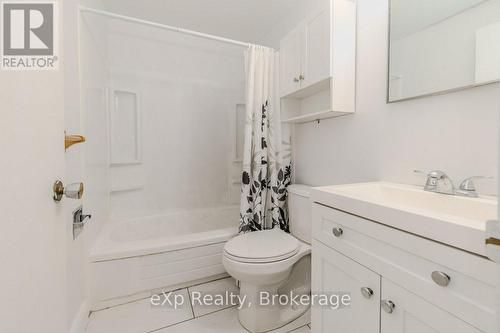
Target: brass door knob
72 191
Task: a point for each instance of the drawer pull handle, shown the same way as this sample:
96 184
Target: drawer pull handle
367 292
441 279
388 306
337 232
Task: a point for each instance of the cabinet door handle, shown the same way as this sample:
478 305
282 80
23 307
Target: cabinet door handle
337 232
302 77
441 279
388 306
367 292
296 79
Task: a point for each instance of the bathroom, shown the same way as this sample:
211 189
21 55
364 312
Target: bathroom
218 153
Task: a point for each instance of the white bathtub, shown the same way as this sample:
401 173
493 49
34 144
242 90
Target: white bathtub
158 252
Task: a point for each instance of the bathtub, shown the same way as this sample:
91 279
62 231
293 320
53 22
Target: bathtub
132 258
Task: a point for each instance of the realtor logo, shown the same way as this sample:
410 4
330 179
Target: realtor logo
29 36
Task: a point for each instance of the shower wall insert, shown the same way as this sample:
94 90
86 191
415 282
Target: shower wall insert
183 93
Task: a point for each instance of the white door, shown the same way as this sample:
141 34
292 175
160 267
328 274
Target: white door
412 314
290 62
33 231
332 272
316 59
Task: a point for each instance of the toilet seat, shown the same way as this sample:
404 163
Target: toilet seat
262 247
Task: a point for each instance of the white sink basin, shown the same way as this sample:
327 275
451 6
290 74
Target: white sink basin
453 220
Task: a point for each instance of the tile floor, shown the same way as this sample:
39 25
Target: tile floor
141 317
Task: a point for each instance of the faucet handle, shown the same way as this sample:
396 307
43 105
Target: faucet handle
438 174
439 182
468 183
432 178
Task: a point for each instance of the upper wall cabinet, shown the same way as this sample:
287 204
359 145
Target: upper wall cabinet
318 57
291 62
305 54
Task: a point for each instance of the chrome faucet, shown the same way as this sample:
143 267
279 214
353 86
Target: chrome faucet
468 188
439 182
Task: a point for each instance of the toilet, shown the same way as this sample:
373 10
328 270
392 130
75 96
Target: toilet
273 262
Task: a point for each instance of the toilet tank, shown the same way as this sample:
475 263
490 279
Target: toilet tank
299 212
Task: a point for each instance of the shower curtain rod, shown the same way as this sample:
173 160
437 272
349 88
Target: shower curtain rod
163 26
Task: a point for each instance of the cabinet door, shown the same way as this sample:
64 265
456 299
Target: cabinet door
316 60
412 314
290 62
332 272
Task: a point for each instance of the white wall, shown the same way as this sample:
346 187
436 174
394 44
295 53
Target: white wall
188 89
455 132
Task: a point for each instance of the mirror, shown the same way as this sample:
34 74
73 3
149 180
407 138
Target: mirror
437 46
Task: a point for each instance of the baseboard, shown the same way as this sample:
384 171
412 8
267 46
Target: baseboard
80 321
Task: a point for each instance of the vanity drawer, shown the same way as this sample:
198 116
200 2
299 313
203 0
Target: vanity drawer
410 261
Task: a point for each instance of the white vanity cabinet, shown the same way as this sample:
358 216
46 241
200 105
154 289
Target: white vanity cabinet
335 273
418 285
412 314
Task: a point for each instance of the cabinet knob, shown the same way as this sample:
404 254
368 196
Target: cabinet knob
296 79
440 278
367 292
337 232
388 306
302 77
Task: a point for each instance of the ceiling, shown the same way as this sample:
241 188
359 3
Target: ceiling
410 16
244 20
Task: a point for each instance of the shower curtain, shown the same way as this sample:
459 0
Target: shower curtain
266 165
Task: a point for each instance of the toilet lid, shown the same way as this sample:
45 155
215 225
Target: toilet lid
262 246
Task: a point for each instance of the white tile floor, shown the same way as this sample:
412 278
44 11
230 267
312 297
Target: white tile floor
138 317
141 317
218 286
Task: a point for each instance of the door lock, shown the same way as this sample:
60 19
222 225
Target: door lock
79 221
72 191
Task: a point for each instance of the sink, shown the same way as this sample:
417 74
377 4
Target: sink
453 220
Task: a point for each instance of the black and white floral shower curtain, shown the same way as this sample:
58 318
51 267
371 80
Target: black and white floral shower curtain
266 165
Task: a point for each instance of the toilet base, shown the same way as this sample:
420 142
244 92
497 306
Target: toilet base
262 286
260 314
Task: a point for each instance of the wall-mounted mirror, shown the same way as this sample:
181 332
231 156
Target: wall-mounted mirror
438 46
